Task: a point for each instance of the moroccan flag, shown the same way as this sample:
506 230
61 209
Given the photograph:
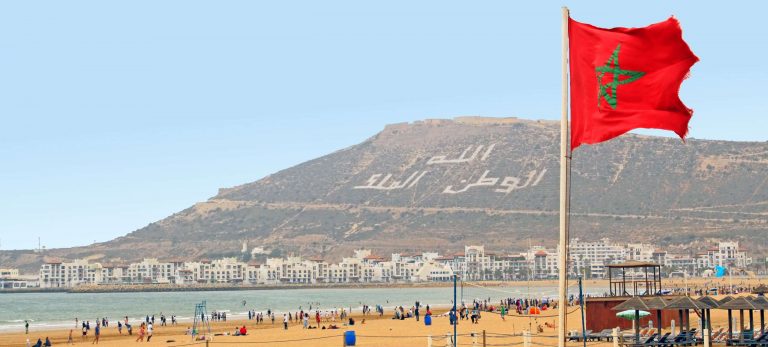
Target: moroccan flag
627 78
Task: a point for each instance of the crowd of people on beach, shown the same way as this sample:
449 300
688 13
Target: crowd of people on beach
312 318
146 329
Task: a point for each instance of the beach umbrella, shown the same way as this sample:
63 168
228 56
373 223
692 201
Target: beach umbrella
657 303
723 301
637 305
760 290
707 313
761 303
727 298
630 314
684 305
741 304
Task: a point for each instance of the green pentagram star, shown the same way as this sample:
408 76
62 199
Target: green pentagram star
608 90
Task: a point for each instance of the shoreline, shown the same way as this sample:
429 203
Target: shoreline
154 287
160 287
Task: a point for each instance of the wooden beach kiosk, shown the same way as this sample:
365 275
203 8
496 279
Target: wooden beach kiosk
634 278
627 280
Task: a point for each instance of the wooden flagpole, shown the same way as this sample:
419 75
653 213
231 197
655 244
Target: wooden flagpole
565 159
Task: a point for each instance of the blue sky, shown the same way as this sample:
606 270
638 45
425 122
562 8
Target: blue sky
117 114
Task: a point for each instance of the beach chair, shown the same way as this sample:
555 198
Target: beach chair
644 333
598 336
663 340
716 334
722 338
606 334
762 340
747 338
648 341
683 339
578 336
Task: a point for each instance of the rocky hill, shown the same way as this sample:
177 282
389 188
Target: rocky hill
440 184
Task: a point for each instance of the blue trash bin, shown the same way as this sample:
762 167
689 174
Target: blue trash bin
428 320
349 338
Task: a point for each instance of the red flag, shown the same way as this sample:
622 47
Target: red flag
627 78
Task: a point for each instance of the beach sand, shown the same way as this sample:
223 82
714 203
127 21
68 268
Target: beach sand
374 332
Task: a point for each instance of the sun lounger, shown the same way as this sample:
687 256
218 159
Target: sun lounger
748 340
578 337
604 334
648 341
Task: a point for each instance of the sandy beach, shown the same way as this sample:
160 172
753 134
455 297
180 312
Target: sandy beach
374 331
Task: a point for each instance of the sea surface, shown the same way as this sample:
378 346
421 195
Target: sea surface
46 311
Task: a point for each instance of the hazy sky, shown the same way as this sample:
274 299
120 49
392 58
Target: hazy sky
115 115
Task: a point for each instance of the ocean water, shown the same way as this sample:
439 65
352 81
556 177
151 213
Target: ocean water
47 311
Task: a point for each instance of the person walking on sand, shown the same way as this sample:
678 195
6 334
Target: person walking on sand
47 342
285 321
141 333
70 341
96 335
503 312
85 332
26 326
149 331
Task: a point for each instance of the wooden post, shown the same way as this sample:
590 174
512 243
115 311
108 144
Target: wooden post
615 336
672 328
564 196
429 340
741 324
483 337
705 333
730 327
527 338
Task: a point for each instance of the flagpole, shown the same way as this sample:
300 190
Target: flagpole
564 193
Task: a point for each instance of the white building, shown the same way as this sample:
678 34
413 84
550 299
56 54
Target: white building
591 258
474 263
55 274
9 273
727 254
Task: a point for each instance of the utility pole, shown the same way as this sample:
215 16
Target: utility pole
455 315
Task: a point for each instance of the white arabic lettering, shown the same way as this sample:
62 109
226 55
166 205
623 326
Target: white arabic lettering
441 159
375 183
